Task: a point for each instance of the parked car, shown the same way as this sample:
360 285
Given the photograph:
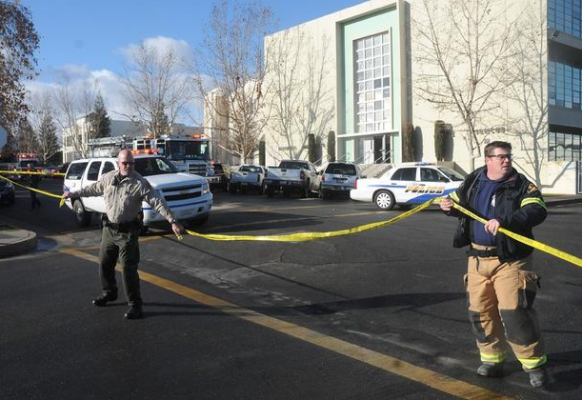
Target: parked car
292 175
248 177
187 195
63 168
6 192
407 184
338 178
49 170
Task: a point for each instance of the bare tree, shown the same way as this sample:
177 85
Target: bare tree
42 120
72 108
26 138
526 72
231 64
462 48
301 102
157 88
18 42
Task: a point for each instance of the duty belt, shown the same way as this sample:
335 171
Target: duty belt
482 253
123 226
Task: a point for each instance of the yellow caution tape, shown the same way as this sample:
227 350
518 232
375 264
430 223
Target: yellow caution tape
17 172
56 196
525 240
306 236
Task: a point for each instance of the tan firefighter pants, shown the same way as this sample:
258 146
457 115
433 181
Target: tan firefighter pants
501 297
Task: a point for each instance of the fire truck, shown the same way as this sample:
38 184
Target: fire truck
189 153
27 162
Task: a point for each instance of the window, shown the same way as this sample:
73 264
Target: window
405 174
107 167
564 146
564 85
76 171
429 175
565 16
93 173
372 83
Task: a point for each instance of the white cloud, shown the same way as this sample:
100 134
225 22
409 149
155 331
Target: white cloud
79 77
161 45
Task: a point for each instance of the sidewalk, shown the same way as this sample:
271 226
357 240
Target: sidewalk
14 241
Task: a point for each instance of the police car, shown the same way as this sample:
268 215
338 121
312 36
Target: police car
407 184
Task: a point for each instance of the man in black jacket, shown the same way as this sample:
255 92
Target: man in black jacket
500 282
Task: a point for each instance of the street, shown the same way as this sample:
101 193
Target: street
376 315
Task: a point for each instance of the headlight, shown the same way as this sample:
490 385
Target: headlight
205 188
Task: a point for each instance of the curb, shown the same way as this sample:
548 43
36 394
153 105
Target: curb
563 202
24 244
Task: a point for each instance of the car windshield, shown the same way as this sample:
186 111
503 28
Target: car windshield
292 165
452 174
343 169
249 168
154 166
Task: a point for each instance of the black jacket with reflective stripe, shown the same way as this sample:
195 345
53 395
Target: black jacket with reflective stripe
519 206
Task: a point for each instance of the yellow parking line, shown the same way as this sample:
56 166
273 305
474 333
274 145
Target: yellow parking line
384 362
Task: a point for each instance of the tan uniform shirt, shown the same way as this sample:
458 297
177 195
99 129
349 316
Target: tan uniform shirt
124 195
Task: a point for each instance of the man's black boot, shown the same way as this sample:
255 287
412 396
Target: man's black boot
134 312
105 298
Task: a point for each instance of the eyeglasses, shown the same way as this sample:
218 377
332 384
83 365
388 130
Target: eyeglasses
126 163
502 157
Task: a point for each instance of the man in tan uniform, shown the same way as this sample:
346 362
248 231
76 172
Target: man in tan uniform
123 191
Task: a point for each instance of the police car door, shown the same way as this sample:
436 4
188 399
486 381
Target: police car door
404 182
432 183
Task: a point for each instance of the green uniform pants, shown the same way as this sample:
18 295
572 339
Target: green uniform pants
123 247
501 297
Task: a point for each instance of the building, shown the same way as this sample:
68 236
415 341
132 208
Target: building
370 74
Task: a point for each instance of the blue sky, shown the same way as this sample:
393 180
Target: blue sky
91 33
89 39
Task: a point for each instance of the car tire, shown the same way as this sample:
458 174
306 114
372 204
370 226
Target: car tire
384 199
269 191
324 194
82 216
305 192
12 200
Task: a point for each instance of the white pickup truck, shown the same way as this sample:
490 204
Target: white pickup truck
292 176
187 195
247 177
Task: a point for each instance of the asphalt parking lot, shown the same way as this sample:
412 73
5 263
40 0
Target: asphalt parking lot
326 319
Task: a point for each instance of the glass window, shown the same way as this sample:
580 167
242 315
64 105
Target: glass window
93 173
76 171
107 167
372 80
429 175
564 15
406 174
